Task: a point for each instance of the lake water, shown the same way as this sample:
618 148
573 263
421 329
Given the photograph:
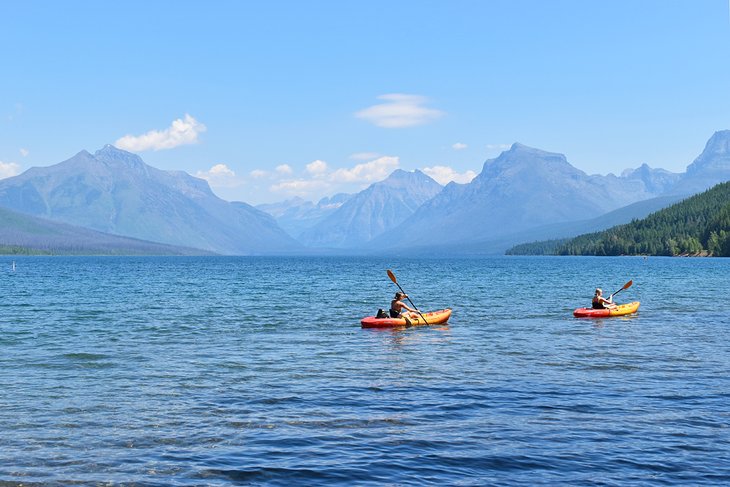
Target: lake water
255 371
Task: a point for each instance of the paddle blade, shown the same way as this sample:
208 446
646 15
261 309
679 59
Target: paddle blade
626 286
392 276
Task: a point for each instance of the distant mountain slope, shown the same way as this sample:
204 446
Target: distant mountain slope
382 207
710 168
656 181
114 191
555 231
697 225
28 232
523 188
296 215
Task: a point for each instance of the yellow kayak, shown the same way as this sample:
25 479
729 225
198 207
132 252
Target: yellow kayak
432 318
620 310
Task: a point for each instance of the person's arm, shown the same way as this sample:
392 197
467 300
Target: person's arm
403 305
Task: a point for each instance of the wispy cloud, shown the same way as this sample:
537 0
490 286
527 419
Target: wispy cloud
399 111
9 169
24 152
182 131
446 174
459 146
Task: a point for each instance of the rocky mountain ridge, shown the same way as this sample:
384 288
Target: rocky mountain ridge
114 191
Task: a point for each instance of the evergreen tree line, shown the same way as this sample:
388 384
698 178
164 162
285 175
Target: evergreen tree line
17 250
699 225
545 247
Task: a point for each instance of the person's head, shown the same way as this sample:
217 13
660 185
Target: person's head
599 291
399 296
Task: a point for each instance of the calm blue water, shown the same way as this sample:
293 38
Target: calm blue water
220 371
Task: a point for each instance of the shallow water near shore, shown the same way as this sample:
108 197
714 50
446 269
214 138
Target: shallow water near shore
252 370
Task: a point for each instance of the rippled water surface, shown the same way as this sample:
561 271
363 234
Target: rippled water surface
220 371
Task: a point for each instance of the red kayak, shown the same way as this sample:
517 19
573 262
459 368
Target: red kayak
620 310
433 318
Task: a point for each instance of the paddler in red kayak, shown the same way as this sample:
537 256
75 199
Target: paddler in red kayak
397 306
599 302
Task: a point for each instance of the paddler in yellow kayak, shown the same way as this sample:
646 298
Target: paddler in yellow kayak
397 306
599 302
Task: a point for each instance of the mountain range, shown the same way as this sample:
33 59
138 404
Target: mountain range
522 188
698 225
523 194
377 210
297 215
115 192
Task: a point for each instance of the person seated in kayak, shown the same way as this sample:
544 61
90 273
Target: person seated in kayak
599 302
397 306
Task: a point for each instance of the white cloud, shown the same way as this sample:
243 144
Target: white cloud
9 169
181 132
24 152
459 146
258 173
368 172
220 176
219 170
284 169
317 167
446 174
319 179
400 110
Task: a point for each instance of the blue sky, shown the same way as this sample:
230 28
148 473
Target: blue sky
270 99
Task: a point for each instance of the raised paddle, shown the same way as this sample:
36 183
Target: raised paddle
392 278
626 286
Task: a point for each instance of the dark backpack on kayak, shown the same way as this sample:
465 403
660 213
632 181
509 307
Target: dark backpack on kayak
381 314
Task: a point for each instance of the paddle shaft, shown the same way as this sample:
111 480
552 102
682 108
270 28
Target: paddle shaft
392 278
626 286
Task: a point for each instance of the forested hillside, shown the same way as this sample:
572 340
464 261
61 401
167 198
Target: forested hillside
22 234
699 225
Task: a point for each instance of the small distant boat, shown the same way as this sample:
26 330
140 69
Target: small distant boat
433 318
620 310
13 266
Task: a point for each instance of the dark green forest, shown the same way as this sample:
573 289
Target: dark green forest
17 250
699 225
